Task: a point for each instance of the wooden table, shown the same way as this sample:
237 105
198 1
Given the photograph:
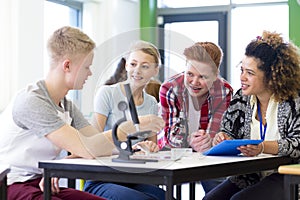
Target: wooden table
291 180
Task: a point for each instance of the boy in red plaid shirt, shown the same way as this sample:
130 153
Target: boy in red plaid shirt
197 96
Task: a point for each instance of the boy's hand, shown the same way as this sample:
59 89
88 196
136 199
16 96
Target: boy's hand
200 141
54 185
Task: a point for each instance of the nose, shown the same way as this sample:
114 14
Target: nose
242 76
195 81
138 68
90 73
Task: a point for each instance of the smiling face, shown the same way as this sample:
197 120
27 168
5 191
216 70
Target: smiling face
199 78
252 79
141 67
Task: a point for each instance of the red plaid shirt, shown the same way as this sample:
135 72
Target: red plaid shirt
172 93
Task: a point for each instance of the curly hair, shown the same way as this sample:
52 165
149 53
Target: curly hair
280 62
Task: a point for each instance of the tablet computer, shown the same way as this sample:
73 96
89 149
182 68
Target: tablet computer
229 147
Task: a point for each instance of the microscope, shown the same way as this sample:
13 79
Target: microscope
125 147
183 122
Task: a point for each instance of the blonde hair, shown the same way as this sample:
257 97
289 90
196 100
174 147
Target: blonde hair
68 41
147 48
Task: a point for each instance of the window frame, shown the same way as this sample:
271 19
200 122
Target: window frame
78 6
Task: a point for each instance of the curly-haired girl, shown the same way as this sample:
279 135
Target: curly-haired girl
267 107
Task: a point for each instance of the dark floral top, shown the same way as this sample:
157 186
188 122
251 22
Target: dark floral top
236 123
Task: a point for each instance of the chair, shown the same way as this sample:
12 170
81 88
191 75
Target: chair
4 169
291 180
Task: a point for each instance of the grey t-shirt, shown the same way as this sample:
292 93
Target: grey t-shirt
35 111
107 99
32 115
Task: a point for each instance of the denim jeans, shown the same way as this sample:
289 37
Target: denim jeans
119 191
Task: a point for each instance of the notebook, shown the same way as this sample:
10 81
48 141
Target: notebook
229 147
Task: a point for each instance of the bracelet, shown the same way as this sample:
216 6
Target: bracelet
263 148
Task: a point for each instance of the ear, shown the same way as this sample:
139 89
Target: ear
215 74
66 65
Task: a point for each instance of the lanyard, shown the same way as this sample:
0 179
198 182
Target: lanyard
262 134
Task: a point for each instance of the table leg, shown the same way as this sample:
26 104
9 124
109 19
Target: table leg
169 188
178 192
47 185
71 183
192 191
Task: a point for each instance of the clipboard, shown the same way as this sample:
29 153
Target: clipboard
229 147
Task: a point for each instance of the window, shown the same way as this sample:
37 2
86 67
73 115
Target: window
190 3
22 27
249 22
246 20
57 14
174 61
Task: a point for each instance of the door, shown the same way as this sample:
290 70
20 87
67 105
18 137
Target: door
178 31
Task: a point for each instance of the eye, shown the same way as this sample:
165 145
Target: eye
189 74
145 66
203 77
132 64
250 73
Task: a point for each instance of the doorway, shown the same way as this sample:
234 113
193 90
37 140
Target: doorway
180 31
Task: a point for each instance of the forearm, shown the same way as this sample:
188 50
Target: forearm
153 138
100 144
270 147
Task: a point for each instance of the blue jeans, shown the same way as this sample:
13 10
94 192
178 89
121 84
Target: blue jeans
124 191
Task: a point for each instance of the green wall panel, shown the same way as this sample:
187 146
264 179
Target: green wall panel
294 21
148 22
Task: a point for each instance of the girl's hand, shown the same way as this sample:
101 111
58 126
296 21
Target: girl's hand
251 150
147 146
220 137
147 123
151 122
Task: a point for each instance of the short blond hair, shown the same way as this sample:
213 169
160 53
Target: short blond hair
68 41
